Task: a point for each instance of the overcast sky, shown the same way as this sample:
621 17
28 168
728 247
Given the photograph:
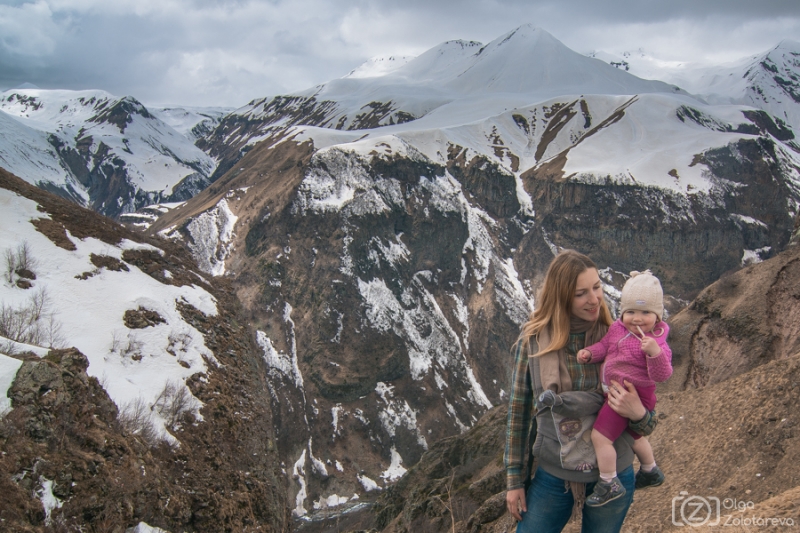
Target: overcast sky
227 52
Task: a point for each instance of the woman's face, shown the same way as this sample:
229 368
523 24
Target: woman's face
588 295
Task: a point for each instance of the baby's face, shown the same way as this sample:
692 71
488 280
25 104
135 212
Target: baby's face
633 319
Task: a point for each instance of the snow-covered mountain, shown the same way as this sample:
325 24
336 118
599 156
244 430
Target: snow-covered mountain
457 82
108 153
768 81
191 122
387 233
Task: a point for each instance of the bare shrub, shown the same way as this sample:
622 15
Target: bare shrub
31 323
38 303
173 403
25 259
133 349
135 419
116 342
51 330
10 264
8 347
19 260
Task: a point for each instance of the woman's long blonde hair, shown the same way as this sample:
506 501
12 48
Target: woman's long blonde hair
554 304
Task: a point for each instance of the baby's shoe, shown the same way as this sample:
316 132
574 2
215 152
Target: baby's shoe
605 492
654 478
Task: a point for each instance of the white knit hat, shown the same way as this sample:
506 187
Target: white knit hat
642 291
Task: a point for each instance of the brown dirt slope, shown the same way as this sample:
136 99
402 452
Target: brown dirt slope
742 321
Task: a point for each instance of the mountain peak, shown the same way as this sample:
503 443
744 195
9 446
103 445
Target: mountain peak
531 60
26 85
789 43
378 66
525 31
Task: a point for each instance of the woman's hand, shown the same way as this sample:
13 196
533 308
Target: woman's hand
625 401
515 502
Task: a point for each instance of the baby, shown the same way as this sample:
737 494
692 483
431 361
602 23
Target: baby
635 350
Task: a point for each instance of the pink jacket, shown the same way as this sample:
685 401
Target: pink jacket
622 352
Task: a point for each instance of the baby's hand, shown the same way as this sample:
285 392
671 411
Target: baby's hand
584 356
650 347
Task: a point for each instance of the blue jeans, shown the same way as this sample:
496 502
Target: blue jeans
550 502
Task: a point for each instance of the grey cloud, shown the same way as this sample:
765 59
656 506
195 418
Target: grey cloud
226 52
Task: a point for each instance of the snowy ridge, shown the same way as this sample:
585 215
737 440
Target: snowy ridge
378 66
601 116
768 81
457 82
650 125
77 129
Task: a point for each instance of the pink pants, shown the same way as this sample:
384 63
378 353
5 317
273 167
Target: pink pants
611 425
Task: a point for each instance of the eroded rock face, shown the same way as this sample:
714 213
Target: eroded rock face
688 240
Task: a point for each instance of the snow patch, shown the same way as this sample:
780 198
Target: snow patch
750 257
395 470
299 473
368 484
316 465
8 371
284 364
397 413
333 500
48 499
211 237
144 527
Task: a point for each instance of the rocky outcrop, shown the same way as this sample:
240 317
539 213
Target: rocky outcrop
65 443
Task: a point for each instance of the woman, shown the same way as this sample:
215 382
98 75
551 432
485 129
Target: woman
571 313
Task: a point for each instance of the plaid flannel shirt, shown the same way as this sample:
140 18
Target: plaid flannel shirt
521 403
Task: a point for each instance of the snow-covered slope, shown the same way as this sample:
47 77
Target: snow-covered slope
191 122
81 292
109 152
379 66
